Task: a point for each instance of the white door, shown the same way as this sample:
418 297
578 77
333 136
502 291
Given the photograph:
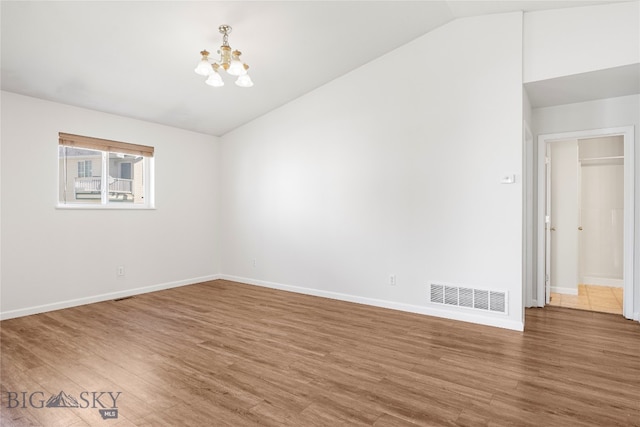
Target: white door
547 227
564 215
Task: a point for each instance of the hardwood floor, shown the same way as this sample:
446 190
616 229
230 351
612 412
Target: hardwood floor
227 354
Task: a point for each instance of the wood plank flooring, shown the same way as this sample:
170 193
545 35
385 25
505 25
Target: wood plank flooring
227 354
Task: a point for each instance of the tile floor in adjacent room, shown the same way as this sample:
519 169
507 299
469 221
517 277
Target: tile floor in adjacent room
590 297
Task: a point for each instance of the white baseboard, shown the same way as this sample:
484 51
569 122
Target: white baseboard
603 281
102 297
429 311
565 291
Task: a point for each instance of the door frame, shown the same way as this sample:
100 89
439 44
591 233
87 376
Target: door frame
627 132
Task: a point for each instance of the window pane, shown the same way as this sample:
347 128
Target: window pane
84 169
80 171
126 183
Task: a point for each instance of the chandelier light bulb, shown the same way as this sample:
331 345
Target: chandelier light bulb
204 66
215 79
244 80
236 68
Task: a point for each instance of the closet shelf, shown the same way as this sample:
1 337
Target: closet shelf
613 160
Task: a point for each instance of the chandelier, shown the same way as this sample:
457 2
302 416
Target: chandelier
229 62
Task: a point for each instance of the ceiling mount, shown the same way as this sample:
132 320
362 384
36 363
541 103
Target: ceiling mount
229 61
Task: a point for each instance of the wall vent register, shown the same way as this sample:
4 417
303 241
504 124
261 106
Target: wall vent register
475 299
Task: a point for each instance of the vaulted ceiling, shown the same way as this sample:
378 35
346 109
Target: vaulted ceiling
136 59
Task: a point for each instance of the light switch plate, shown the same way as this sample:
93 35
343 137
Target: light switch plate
508 179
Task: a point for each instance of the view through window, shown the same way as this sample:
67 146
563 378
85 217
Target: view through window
101 172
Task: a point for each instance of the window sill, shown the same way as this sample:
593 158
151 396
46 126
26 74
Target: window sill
70 206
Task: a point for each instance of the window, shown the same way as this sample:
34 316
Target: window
84 168
100 173
125 170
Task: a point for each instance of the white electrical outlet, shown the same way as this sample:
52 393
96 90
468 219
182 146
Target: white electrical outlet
120 270
392 280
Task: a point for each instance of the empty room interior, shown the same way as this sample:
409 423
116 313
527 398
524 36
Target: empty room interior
307 213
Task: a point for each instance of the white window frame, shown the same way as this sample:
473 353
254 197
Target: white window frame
147 171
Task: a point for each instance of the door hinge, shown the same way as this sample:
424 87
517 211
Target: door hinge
547 160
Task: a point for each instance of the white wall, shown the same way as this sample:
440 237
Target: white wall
385 172
53 258
605 113
562 42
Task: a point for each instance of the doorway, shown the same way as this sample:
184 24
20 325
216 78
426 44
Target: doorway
587 206
600 258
